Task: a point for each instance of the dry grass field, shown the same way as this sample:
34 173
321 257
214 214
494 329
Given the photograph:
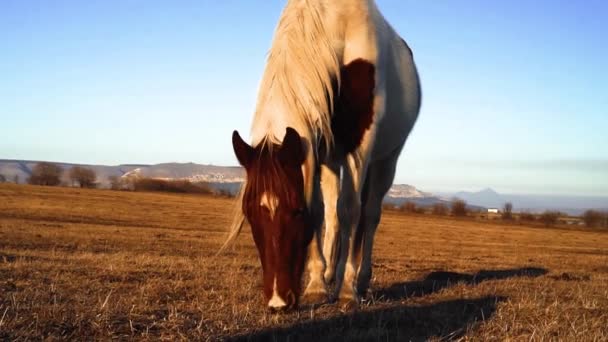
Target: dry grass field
95 264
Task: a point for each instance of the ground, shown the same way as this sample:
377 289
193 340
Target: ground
99 264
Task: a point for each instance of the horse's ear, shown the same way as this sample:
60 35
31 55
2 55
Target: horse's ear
292 151
244 152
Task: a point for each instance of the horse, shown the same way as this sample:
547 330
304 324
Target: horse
339 96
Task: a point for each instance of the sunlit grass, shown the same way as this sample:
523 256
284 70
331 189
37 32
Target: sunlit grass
95 264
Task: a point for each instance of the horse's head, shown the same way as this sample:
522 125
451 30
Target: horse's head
275 207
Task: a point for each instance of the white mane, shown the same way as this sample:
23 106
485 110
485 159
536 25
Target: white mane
297 88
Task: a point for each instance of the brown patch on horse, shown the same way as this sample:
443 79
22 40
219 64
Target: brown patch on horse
281 237
354 108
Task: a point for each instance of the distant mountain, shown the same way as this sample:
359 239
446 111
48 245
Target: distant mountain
406 191
190 171
485 198
401 193
573 205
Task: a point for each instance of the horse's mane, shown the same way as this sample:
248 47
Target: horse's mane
302 73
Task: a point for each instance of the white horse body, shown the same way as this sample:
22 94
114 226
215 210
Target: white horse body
313 41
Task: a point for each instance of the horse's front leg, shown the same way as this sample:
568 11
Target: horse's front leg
321 266
330 188
316 290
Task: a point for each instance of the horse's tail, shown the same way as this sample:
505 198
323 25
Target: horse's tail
237 222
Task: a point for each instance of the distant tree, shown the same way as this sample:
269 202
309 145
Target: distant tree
527 216
549 218
440 209
16 179
46 174
594 218
84 177
2 179
507 213
115 182
459 207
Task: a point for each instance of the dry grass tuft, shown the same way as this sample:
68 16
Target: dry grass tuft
92 264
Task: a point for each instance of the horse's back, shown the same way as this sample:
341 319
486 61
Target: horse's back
402 95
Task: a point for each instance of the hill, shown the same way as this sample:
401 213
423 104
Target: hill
220 177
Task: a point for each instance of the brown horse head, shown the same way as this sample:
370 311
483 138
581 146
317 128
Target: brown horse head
275 207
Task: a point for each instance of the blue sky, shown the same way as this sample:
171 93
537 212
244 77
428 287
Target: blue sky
515 93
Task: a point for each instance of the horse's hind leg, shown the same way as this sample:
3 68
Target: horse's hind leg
349 209
379 180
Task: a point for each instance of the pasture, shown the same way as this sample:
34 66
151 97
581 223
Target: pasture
99 264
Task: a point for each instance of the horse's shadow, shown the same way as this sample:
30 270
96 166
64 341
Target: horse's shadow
435 281
393 321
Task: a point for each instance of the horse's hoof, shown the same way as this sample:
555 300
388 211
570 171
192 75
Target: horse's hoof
314 299
348 304
362 287
363 291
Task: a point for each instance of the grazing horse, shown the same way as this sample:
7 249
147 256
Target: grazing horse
338 98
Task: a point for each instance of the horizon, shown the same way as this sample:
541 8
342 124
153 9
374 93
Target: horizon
434 192
513 92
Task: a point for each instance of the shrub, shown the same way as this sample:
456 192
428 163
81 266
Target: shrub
224 193
459 207
549 218
440 209
408 207
46 174
388 206
594 218
177 186
115 182
2 179
526 216
420 210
